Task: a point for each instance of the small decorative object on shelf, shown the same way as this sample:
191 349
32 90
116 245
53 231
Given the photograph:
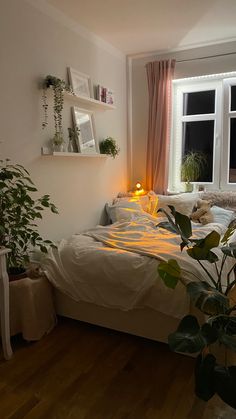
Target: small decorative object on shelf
58 143
73 145
109 146
80 82
103 94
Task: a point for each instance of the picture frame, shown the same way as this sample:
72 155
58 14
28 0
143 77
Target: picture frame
80 83
84 121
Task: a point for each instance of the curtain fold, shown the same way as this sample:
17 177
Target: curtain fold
159 75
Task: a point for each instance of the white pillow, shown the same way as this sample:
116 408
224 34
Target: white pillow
183 203
222 216
143 200
148 202
122 210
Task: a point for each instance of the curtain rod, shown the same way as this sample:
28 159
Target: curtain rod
208 56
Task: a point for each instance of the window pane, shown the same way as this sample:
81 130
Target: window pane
232 160
199 103
198 136
233 98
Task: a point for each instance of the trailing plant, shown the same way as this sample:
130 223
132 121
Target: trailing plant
19 213
212 298
109 146
59 87
193 166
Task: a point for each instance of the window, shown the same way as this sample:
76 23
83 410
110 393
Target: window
204 121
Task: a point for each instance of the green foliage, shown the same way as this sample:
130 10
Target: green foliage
193 166
170 272
190 337
58 86
19 213
209 298
109 146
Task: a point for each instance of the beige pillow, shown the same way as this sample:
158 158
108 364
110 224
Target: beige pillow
148 201
183 203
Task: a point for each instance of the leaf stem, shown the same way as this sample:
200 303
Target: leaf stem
208 274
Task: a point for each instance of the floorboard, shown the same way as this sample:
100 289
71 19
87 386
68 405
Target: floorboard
80 371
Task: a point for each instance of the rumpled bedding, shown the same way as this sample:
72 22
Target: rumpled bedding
116 266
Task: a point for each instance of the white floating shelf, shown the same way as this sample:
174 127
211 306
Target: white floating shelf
67 154
89 102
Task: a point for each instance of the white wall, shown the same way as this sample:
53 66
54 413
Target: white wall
139 92
32 45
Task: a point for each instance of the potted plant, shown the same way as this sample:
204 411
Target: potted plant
192 167
18 215
109 146
212 298
58 86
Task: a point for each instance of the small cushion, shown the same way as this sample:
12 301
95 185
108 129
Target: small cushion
122 210
183 203
222 216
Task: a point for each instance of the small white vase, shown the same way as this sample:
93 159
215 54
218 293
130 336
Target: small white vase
58 147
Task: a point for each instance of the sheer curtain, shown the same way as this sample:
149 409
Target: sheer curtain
159 75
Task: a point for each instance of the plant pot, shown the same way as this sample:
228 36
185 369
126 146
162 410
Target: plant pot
58 147
225 384
15 273
211 378
188 187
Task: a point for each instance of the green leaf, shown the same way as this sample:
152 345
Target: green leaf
167 226
169 272
207 299
43 249
230 250
228 234
226 329
184 224
201 250
188 338
171 223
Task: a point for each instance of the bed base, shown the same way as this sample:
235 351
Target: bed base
145 322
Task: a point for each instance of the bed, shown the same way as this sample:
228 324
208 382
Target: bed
108 275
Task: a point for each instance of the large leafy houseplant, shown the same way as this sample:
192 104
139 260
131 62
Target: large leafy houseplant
18 215
213 299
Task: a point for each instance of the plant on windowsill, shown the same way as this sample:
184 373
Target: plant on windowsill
109 146
213 298
192 168
18 215
59 87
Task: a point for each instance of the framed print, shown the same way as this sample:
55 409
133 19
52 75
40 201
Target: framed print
83 120
80 83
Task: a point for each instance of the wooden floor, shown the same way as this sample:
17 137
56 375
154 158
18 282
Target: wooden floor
80 371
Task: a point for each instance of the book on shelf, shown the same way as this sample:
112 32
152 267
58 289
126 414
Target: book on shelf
103 94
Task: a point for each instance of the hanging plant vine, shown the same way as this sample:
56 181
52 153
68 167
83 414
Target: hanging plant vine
58 86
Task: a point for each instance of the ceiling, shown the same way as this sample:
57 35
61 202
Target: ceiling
137 26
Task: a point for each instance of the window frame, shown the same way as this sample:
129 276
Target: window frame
221 83
227 115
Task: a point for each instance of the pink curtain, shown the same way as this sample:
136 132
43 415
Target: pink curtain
159 75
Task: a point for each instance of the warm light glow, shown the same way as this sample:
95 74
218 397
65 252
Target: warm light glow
139 189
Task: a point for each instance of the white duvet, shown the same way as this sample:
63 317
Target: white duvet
116 266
